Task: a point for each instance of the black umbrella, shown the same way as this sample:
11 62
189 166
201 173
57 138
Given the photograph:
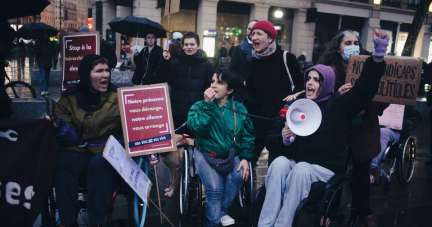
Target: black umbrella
10 9
35 30
137 27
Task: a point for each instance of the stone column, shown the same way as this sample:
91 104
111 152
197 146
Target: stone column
367 33
302 34
147 9
206 16
108 14
259 11
426 43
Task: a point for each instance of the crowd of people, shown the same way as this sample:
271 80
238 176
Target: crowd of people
260 80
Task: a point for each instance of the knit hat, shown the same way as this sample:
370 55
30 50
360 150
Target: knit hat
327 88
267 26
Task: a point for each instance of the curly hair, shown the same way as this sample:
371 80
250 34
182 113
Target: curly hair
331 56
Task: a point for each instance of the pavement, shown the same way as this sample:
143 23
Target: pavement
410 205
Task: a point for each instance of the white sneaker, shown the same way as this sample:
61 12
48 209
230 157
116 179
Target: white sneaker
43 93
227 220
47 93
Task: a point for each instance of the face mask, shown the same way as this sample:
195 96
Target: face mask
350 50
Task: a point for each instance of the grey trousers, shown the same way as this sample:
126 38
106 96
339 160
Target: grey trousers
289 182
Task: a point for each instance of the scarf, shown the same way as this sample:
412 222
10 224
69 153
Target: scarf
266 53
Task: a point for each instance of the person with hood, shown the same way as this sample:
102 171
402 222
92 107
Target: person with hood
188 76
147 61
268 82
44 50
319 156
240 59
87 114
177 39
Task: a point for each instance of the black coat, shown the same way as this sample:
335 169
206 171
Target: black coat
239 66
327 146
146 65
267 85
188 76
108 52
222 52
44 51
231 51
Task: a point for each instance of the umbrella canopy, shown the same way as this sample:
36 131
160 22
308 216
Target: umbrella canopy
137 27
21 8
35 30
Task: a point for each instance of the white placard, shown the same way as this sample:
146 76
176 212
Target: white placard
393 117
115 154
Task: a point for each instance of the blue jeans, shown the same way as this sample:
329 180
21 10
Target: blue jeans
71 166
44 78
220 190
387 135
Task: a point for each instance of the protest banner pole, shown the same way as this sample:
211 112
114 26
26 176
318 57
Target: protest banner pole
158 194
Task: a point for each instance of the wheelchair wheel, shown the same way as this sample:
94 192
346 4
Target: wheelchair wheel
406 161
20 86
184 185
245 200
341 207
258 203
140 208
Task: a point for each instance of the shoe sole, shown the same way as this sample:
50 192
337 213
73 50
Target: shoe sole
227 224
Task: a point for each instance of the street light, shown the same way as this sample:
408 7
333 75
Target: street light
278 14
430 7
377 2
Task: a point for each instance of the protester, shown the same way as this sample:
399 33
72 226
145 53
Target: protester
223 53
411 119
44 51
188 76
147 61
87 114
319 156
240 59
231 51
302 57
222 136
177 39
268 82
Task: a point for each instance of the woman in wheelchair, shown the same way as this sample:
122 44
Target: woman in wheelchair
87 114
411 119
224 145
319 156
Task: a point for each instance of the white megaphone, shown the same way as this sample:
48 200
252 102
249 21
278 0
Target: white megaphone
303 117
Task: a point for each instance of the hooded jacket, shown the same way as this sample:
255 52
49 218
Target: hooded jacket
327 146
90 117
146 64
189 76
239 63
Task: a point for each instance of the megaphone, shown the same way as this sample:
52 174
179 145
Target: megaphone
303 117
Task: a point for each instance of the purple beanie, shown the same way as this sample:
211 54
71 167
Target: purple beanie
327 88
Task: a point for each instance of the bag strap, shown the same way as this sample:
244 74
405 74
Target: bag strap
289 74
235 124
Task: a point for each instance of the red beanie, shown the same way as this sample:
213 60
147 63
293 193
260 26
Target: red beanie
267 26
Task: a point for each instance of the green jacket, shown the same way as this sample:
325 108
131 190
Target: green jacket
214 128
96 125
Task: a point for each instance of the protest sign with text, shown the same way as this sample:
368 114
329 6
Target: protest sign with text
392 117
128 169
146 119
400 82
75 47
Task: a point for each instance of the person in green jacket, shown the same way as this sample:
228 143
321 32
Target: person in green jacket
214 125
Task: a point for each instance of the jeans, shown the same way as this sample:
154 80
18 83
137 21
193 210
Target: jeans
220 190
289 182
44 78
223 59
387 135
71 166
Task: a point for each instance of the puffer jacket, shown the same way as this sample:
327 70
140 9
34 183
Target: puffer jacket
214 128
89 126
189 76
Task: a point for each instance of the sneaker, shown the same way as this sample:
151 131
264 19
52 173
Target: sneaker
227 220
43 93
373 173
47 93
429 161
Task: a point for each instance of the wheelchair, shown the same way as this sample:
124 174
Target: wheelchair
192 197
335 201
137 209
399 156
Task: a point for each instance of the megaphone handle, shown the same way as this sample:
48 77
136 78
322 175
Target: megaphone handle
292 137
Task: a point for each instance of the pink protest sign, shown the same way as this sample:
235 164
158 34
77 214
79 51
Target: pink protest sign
393 117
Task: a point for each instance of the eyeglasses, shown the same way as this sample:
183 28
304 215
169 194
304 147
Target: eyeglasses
353 32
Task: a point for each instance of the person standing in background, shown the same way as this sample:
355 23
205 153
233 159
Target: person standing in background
231 51
223 53
44 51
147 61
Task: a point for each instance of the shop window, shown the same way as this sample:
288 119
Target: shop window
282 19
183 21
230 28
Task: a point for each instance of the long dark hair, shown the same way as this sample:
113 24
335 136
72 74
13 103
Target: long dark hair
332 56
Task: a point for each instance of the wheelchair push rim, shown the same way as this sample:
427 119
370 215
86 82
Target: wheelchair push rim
341 208
406 162
184 184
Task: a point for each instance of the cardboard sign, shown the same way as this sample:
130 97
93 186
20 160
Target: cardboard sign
146 119
115 154
392 117
400 82
74 48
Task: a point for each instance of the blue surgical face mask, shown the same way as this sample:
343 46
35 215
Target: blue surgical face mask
348 50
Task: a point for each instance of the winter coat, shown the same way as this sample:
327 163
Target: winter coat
267 85
146 65
108 52
188 76
214 128
231 51
44 51
327 146
89 126
222 52
239 64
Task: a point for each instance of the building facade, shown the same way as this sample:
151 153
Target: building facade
227 20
